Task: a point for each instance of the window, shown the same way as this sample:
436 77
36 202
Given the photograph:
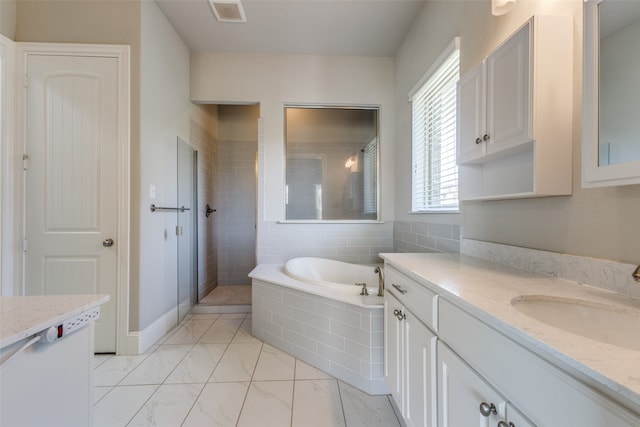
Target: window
433 105
331 163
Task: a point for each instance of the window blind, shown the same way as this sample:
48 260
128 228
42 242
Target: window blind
435 173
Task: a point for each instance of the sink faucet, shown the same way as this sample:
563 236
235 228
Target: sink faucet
636 274
380 281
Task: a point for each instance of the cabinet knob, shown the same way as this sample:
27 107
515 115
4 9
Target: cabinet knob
486 409
399 314
505 424
478 140
485 137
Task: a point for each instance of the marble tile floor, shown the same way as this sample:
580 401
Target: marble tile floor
210 371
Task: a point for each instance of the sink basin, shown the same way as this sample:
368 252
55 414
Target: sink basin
607 323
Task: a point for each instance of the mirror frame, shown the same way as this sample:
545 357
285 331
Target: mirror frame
594 175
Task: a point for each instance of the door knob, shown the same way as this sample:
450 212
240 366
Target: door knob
107 243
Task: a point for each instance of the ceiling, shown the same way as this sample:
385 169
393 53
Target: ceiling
316 27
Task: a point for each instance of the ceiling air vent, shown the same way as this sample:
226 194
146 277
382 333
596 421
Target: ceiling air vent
228 10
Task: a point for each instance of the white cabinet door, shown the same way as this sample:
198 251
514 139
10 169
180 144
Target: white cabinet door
420 373
509 93
461 392
393 345
516 419
410 370
494 102
471 115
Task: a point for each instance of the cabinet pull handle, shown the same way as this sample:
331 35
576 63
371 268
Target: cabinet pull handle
478 140
485 137
399 288
486 409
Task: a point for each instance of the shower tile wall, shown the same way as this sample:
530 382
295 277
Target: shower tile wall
207 147
235 199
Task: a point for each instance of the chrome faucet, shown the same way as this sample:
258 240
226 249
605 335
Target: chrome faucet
380 281
636 274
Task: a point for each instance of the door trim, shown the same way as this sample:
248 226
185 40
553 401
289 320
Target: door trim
8 232
122 54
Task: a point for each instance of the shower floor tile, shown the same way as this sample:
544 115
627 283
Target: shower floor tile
228 295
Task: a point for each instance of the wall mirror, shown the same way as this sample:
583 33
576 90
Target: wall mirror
331 163
611 98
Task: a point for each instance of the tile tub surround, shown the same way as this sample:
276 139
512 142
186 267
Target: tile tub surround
604 274
344 339
485 289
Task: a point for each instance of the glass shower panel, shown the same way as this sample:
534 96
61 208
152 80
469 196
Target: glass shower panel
187 231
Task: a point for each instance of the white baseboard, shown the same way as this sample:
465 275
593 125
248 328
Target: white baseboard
139 342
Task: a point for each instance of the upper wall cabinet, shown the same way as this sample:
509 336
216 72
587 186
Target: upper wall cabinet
611 100
515 116
495 97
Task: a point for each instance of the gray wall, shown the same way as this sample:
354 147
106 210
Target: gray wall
8 18
601 223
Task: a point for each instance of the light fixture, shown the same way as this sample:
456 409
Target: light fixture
350 161
500 7
228 10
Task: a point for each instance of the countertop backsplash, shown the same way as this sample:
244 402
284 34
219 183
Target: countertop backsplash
604 274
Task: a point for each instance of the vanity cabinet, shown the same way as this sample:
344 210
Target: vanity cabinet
410 350
515 115
466 399
543 393
444 358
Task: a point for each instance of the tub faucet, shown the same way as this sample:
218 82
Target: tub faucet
380 272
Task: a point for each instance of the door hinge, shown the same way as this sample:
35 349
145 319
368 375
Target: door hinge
25 161
24 245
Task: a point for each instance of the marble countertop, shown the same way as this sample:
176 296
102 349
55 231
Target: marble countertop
485 290
23 316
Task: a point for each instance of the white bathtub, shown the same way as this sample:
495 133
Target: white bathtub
311 308
333 274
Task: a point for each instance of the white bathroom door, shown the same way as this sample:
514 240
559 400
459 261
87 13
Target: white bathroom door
71 182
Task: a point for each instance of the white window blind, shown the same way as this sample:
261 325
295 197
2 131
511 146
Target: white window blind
370 177
433 104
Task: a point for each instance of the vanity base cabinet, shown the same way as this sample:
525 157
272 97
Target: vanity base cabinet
410 369
542 392
466 399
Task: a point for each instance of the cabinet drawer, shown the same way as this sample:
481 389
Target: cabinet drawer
417 298
544 394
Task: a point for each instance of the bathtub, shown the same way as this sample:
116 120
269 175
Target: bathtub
311 309
338 275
